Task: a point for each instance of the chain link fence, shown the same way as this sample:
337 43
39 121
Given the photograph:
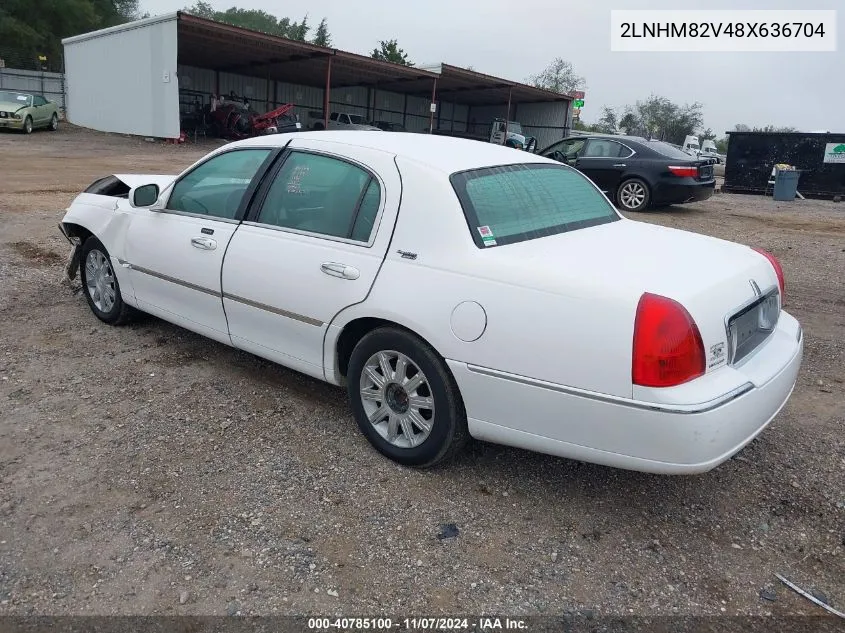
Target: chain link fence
30 72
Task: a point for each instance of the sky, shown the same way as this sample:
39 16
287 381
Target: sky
515 39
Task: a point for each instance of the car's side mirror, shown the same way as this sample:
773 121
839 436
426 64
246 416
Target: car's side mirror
144 196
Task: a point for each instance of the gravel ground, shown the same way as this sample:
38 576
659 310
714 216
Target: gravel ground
146 470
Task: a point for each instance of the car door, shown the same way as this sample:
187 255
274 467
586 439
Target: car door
40 115
604 162
311 245
175 253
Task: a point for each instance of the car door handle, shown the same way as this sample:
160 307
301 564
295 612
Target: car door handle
205 243
620 165
340 270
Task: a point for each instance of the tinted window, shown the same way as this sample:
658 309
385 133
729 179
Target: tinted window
514 203
667 150
322 195
605 148
566 148
40 101
217 186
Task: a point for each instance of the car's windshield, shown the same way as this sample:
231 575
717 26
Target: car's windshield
667 150
356 119
8 96
514 127
514 203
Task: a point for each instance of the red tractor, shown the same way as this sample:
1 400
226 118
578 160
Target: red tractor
234 120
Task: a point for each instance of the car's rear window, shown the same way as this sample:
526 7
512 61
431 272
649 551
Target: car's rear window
668 150
514 203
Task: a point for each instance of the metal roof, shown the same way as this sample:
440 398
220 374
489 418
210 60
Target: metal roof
208 44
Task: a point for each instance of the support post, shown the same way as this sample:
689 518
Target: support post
326 94
508 115
430 113
405 112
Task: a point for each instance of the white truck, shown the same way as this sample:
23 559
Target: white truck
708 149
339 121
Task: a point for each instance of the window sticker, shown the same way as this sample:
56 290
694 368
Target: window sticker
487 236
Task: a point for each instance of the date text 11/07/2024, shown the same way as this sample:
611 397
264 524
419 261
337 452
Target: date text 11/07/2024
417 624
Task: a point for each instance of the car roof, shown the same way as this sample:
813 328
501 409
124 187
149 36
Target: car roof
443 153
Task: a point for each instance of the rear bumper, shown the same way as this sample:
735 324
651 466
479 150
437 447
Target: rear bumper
649 437
679 193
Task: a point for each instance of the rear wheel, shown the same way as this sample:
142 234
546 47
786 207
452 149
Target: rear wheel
404 398
100 285
54 122
633 195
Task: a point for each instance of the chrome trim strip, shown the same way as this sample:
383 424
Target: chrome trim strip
320 236
187 214
280 312
213 293
701 407
172 280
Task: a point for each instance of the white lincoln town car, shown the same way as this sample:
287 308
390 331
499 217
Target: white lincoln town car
456 289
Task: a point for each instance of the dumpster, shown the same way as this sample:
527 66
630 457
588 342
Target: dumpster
786 184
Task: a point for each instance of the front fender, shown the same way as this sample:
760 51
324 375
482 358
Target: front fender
100 216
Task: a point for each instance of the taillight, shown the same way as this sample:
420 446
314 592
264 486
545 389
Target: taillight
778 271
668 349
684 171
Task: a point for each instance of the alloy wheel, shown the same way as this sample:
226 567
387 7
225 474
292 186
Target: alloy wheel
397 399
99 279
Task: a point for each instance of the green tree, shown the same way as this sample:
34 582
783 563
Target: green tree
321 35
657 117
560 77
389 51
607 123
707 135
253 19
30 28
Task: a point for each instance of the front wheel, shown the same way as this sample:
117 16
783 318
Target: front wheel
100 285
27 125
404 398
633 195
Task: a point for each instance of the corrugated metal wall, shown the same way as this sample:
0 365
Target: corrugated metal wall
50 85
545 121
125 80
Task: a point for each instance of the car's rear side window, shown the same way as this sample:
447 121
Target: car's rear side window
513 203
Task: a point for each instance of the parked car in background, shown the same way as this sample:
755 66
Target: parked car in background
339 121
26 111
389 126
552 322
636 173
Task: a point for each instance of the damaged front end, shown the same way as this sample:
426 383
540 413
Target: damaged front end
72 265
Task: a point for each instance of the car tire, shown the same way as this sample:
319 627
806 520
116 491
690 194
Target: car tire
386 412
54 123
633 195
27 125
100 285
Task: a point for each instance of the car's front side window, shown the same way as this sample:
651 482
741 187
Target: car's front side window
324 195
514 203
216 187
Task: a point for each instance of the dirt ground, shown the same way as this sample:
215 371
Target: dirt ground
146 470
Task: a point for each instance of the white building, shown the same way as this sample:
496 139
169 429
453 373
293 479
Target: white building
138 78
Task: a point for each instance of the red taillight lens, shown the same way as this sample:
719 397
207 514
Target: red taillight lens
668 349
778 271
690 172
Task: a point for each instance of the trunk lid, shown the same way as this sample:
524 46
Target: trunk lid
711 278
